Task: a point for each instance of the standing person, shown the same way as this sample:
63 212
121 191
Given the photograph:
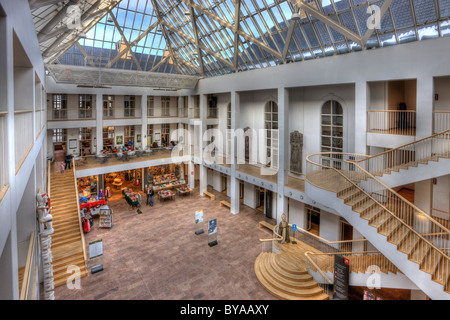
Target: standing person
147 192
68 160
151 194
61 167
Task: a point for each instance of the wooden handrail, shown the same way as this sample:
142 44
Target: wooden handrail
316 266
48 177
417 209
279 237
3 113
441 111
79 214
386 209
28 268
23 111
440 210
401 147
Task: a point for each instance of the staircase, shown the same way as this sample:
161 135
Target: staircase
281 275
67 244
387 220
428 158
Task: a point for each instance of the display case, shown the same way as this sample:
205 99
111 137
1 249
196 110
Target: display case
105 217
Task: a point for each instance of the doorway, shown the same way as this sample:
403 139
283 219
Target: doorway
313 220
346 235
264 201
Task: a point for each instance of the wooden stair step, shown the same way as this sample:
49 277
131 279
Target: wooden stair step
398 234
408 243
266 263
303 276
283 292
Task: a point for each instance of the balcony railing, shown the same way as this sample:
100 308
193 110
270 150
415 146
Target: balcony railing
160 112
24 135
392 122
194 113
3 152
28 274
441 121
71 114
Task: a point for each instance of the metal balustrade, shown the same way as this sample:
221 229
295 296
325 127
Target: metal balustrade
414 232
419 152
392 122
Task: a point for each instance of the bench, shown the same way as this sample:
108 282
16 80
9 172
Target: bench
206 193
265 224
225 203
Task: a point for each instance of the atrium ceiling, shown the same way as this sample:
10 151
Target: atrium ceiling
211 38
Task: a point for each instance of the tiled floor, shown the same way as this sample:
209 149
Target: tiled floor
156 255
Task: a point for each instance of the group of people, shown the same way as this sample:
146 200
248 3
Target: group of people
66 164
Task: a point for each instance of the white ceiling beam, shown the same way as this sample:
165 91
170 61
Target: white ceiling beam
328 21
86 26
197 40
191 40
89 59
228 25
383 10
127 44
289 35
35 4
156 66
237 19
132 44
166 37
56 19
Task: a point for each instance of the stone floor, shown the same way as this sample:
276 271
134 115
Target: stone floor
156 255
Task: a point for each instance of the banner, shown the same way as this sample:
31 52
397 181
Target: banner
212 227
199 216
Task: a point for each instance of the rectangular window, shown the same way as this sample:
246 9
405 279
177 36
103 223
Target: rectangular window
150 106
129 135
85 106
108 106
59 135
85 134
59 106
129 105
165 106
165 134
212 107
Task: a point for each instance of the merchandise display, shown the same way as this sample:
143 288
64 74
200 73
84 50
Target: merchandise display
106 219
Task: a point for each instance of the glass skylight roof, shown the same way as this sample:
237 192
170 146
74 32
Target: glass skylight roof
205 38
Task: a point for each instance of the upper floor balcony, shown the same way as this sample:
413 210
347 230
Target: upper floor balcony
394 122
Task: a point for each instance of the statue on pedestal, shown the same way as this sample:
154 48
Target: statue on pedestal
283 230
296 140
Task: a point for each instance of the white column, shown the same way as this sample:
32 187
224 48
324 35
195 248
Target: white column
7 89
234 183
283 150
361 107
144 120
191 175
99 122
203 170
424 107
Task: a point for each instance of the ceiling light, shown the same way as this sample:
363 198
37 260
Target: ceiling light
159 30
110 20
187 13
82 35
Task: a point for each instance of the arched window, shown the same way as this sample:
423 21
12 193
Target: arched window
271 126
332 130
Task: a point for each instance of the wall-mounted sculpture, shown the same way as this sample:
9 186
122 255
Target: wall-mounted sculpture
296 140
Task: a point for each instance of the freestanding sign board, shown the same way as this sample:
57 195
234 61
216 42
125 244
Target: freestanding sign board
199 222
212 232
341 277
